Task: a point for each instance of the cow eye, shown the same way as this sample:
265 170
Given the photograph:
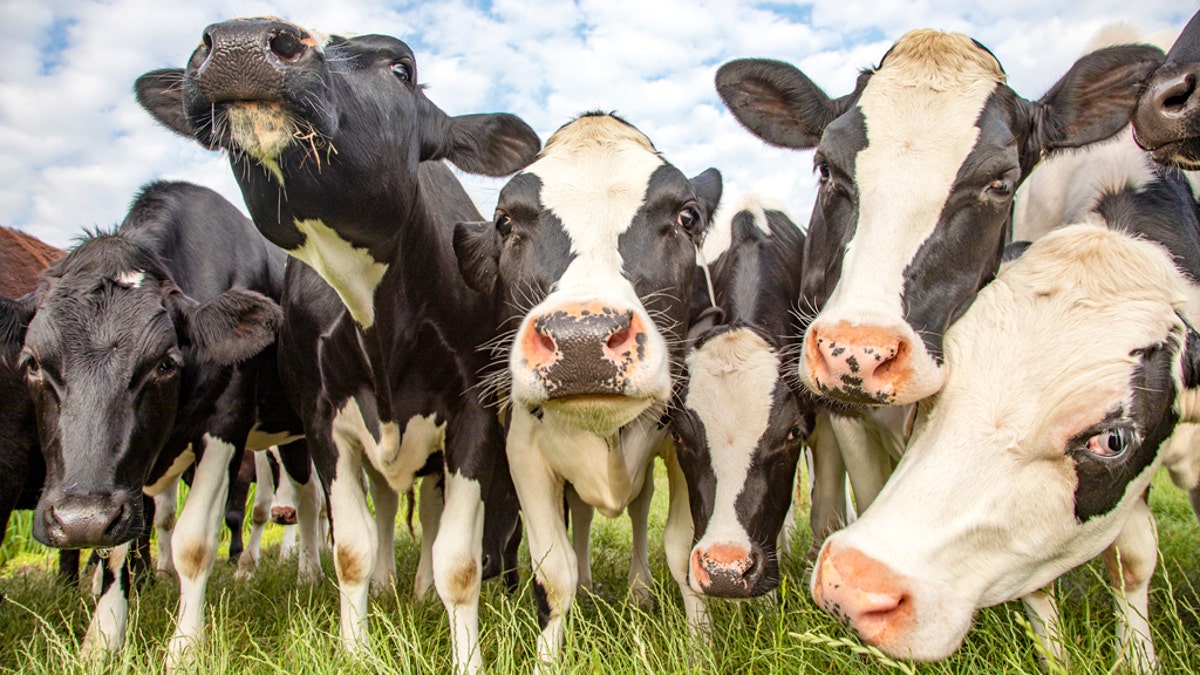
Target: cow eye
503 224
167 367
1111 443
1001 187
688 219
795 434
822 170
402 71
30 364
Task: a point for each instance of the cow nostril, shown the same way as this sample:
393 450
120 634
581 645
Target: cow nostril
619 338
1177 98
545 343
287 45
117 521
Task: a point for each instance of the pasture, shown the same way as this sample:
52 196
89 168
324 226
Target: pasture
269 625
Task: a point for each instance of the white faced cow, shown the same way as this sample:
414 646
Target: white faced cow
591 254
738 426
333 143
917 169
1066 380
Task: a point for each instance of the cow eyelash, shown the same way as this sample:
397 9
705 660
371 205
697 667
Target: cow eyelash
29 363
403 71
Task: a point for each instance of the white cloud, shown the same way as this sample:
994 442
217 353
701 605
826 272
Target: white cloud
74 146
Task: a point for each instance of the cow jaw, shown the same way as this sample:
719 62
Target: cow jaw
263 130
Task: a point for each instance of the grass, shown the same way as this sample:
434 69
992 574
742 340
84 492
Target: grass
269 625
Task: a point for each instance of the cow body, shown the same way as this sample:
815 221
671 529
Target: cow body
326 138
591 255
1071 443
739 427
138 368
917 168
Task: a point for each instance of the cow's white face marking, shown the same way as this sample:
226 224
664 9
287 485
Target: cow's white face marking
983 507
594 174
131 279
351 271
732 379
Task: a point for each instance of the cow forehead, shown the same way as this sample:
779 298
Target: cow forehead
731 387
594 174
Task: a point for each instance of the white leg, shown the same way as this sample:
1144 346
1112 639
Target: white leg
581 533
354 538
259 515
457 567
106 632
195 545
828 511
639 519
1130 562
387 505
164 525
430 505
1042 610
677 544
311 519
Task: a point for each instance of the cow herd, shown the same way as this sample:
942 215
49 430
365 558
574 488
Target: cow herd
1000 405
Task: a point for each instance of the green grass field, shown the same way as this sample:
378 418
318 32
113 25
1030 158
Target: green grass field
269 625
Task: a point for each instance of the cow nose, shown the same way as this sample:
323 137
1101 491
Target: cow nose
863 592
1164 108
283 515
77 521
246 59
860 364
587 343
729 570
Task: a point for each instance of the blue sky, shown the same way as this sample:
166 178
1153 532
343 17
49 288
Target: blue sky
75 147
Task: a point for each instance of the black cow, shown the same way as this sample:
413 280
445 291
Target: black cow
139 350
591 255
1167 121
739 427
917 169
326 137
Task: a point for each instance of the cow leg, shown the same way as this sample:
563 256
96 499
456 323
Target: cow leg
1194 498
310 521
1042 610
639 519
68 566
581 514
867 461
1130 562
677 544
197 534
387 505
259 515
828 511
540 492
164 524
354 538
106 632
235 511
430 506
457 564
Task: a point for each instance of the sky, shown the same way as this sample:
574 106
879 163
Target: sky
75 146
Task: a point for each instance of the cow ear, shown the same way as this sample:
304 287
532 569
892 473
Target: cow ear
477 246
487 144
15 316
708 187
777 102
160 92
1096 98
230 328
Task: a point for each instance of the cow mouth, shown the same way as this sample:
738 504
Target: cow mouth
601 414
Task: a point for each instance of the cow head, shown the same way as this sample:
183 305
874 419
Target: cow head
1167 121
592 252
738 426
111 349
1068 374
325 135
917 169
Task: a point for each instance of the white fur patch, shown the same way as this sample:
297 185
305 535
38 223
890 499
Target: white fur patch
720 232
351 271
171 477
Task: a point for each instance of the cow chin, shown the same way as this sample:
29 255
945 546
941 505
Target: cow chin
602 414
261 129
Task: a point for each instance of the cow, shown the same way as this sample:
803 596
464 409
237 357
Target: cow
335 147
739 426
22 469
917 168
590 255
1037 454
1167 120
139 349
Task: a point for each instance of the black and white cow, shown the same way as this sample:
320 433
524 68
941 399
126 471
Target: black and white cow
1167 121
1067 378
917 169
139 349
739 426
326 136
591 255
